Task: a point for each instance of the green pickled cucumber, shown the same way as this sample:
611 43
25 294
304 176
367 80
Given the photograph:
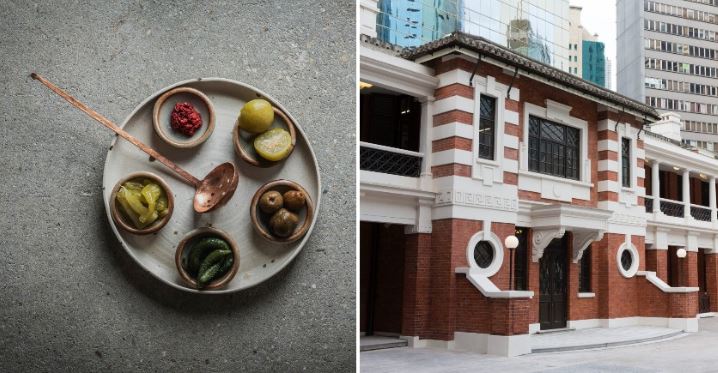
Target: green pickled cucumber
208 275
213 258
201 249
226 265
215 271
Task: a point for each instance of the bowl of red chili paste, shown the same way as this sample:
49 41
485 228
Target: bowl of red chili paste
183 117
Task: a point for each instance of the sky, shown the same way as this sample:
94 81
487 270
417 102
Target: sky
599 17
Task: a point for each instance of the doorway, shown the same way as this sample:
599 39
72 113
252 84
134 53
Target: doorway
704 299
381 277
553 279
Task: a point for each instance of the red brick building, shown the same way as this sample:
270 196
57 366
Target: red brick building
465 143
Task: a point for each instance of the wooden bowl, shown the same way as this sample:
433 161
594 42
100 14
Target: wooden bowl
260 220
244 141
119 218
197 234
164 106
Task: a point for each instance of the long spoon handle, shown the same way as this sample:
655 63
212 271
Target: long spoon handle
109 124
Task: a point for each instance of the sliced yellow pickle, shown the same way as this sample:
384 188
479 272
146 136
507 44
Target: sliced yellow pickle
273 145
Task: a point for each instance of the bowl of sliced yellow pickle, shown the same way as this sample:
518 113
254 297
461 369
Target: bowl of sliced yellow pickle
141 203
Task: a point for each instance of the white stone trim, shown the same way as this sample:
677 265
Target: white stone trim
501 345
583 324
608 145
489 171
660 284
534 328
607 165
451 156
587 295
453 129
511 141
395 73
488 288
494 241
511 117
455 76
628 246
453 103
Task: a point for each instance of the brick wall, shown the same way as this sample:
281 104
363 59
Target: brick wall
712 279
417 278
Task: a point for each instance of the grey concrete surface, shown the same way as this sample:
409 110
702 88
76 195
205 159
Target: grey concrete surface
694 352
70 298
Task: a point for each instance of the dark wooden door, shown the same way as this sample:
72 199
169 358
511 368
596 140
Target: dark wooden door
553 284
704 300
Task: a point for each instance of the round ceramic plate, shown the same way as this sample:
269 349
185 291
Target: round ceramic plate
259 258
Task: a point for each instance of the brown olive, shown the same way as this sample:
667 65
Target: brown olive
270 202
294 200
283 223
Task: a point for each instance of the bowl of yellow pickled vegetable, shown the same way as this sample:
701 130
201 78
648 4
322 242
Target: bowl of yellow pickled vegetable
141 203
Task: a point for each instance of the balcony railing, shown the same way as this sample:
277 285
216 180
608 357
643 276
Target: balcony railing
701 213
672 208
388 160
649 204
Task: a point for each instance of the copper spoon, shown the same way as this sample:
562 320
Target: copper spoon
211 192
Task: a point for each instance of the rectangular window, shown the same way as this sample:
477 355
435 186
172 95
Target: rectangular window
553 148
584 272
626 162
487 124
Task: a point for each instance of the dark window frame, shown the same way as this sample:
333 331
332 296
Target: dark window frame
487 127
626 259
584 272
626 162
554 148
484 259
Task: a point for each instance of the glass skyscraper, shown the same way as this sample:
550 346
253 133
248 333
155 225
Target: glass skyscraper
538 29
594 62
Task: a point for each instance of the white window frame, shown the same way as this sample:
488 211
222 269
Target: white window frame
558 113
628 246
495 243
488 86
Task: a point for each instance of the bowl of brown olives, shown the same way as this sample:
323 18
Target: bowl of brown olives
281 211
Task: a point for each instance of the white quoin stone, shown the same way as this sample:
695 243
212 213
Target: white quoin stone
669 126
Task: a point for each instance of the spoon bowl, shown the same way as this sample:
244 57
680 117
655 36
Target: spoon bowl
216 188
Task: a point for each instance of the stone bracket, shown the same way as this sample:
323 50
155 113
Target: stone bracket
541 238
583 239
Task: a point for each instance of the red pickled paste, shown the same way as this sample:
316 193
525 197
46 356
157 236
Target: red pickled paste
185 119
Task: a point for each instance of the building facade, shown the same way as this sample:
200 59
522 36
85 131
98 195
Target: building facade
534 28
586 54
669 60
465 143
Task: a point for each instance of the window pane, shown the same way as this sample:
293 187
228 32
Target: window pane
553 148
487 127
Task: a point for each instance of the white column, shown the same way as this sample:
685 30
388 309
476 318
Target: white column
687 192
425 140
712 197
656 185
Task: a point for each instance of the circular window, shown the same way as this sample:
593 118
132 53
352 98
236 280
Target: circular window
627 258
483 254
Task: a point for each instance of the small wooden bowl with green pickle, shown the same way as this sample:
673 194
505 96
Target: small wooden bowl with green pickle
207 258
141 203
